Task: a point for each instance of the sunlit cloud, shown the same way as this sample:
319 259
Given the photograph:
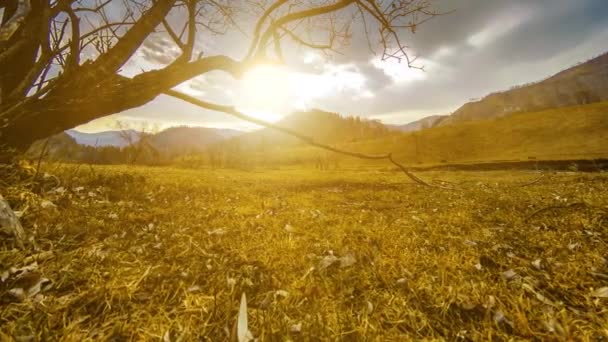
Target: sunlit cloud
335 80
399 71
443 51
271 92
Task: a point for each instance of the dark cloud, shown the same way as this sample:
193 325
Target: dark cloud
548 35
376 78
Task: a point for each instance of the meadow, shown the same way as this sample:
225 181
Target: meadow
155 253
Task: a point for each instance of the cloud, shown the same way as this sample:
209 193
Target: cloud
482 46
158 50
501 24
399 71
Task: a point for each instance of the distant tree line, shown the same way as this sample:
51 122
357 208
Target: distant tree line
264 148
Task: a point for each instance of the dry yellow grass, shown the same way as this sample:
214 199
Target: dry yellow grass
152 253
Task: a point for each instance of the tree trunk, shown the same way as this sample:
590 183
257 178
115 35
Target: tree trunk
77 101
88 93
14 69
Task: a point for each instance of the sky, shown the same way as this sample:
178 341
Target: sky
479 47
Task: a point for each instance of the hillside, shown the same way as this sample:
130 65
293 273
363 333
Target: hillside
323 126
270 147
424 123
181 140
111 147
573 132
563 133
581 84
577 132
61 146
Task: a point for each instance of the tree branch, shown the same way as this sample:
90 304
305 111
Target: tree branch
282 21
173 35
74 58
94 10
258 27
189 47
126 46
233 112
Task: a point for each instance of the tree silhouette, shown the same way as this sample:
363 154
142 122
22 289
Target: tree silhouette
61 61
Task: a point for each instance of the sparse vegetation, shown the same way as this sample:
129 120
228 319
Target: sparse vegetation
149 253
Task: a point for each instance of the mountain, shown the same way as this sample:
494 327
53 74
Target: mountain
59 146
180 140
227 133
169 139
584 83
113 147
324 127
560 133
567 133
107 138
426 122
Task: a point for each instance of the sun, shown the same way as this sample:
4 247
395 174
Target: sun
271 92
265 92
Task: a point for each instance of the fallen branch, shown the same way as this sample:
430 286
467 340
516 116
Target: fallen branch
232 111
41 156
541 177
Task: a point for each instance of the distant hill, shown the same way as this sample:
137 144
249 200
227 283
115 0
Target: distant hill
107 138
576 132
271 147
181 140
581 84
323 126
567 133
60 146
112 147
189 138
424 123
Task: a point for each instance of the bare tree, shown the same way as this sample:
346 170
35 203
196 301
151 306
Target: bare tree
61 60
136 137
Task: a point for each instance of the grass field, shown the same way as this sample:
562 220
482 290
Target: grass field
161 253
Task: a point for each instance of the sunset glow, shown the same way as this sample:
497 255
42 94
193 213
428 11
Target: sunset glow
270 92
265 92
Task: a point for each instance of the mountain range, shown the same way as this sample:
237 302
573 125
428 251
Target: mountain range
181 140
581 84
324 127
424 123
106 138
183 137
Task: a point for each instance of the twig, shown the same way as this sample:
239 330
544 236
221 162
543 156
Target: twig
42 153
541 177
232 111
